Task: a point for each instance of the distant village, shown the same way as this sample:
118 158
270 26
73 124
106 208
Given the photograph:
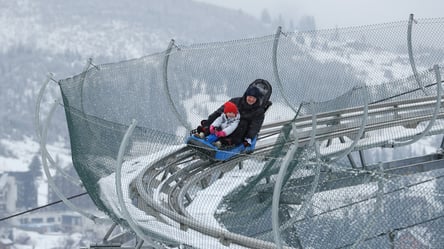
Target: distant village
19 207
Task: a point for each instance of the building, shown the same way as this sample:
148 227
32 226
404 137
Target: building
8 194
44 222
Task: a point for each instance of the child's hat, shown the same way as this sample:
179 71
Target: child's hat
230 107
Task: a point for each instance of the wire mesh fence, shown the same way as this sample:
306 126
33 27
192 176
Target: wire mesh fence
324 204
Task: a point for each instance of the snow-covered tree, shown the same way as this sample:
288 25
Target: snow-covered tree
265 16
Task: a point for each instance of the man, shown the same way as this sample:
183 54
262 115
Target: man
252 113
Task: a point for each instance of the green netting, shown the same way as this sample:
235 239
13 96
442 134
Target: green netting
315 72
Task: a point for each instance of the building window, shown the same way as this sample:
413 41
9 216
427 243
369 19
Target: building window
37 220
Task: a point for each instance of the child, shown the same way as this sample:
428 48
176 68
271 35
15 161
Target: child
252 106
225 124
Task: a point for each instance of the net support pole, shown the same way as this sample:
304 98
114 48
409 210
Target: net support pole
314 124
278 187
309 196
349 156
275 68
167 88
119 191
85 70
434 116
410 49
442 144
38 131
48 174
362 159
109 232
361 129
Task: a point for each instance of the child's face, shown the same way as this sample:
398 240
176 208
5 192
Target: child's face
230 114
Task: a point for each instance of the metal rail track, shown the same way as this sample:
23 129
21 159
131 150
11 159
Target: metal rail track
168 186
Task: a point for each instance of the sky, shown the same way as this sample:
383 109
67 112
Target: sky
339 13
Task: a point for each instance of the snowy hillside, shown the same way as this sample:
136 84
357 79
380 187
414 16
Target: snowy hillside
117 29
38 37
18 155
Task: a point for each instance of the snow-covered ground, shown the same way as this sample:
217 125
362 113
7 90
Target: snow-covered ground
35 240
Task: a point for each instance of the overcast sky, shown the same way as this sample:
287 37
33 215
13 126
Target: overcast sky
339 13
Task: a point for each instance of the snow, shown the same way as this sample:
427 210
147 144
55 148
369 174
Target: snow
20 154
38 240
130 169
370 64
206 202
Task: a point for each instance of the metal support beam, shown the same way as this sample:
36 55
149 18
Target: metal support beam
410 49
167 89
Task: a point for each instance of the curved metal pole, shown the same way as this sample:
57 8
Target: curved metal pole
315 183
167 89
361 129
118 178
38 131
435 112
275 68
85 69
278 187
312 191
37 127
410 49
49 177
314 123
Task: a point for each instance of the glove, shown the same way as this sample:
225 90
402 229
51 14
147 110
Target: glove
247 142
212 131
221 133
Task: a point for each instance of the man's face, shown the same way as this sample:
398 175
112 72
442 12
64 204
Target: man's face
251 100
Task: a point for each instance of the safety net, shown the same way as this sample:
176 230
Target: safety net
356 78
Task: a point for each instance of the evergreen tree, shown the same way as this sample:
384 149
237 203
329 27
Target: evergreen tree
35 168
29 185
265 17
